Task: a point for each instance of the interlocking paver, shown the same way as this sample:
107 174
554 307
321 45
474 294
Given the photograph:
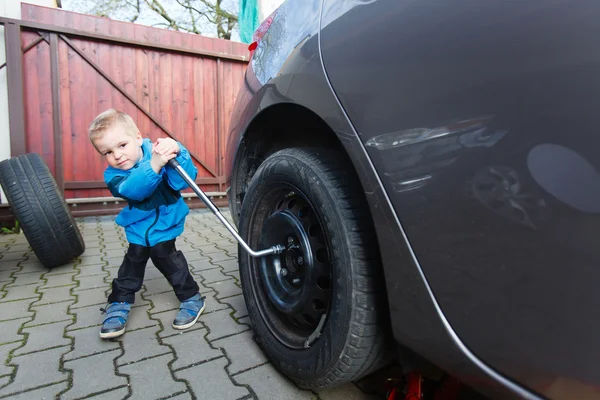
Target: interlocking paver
191 348
221 324
163 301
115 394
238 304
268 383
86 317
48 392
87 342
54 295
201 265
9 330
59 280
91 269
91 282
156 286
20 292
91 297
210 380
225 289
13 256
243 352
93 374
151 379
15 309
5 350
44 336
115 253
212 304
139 318
213 275
348 391
37 369
26 279
51 313
141 344
234 274
91 259
32 265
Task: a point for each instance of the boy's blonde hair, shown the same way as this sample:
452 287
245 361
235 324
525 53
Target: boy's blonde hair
109 118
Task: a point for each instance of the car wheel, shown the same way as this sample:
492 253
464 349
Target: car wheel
40 209
319 309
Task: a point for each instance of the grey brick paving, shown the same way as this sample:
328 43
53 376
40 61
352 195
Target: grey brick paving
191 348
49 313
221 324
226 288
4 352
151 379
48 392
20 292
243 352
15 309
9 330
35 370
41 337
59 352
210 380
268 384
55 295
86 342
141 344
93 374
59 280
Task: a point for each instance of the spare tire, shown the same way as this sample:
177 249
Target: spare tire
319 310
40 209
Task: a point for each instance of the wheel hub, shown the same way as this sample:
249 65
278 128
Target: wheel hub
284 275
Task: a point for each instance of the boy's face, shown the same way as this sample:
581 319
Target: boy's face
121 150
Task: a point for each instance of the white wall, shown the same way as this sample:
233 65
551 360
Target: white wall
9 9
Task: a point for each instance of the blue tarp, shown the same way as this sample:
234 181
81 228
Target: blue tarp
248 19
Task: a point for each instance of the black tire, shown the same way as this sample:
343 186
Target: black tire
40 209
340 277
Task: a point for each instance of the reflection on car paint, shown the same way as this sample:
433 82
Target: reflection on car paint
566 175
499 189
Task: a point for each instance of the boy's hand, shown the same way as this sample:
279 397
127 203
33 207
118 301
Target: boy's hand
165 146
163 151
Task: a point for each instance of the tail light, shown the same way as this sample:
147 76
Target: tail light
260 32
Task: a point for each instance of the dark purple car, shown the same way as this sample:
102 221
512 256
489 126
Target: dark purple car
432 167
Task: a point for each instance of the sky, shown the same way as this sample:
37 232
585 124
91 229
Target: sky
149 17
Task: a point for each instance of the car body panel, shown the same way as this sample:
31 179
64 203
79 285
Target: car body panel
480 118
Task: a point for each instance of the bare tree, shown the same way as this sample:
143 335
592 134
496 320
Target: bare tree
194 16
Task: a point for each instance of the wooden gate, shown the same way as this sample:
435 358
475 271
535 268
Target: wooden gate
65 68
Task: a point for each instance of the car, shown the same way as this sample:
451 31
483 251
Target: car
432 169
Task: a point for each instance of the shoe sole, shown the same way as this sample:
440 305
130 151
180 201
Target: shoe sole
189 324
110 335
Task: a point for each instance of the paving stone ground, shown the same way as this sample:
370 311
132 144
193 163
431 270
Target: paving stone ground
49 323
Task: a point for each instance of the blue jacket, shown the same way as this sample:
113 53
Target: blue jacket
156 211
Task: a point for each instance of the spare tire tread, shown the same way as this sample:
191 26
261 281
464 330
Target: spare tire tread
40 210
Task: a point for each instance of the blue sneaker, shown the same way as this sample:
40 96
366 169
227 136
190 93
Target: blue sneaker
115 321
189 312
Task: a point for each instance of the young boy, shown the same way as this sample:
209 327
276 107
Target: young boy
155 216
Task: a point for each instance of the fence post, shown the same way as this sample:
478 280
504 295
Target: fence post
14 75
56 114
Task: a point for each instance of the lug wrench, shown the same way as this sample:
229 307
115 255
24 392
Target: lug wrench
277 249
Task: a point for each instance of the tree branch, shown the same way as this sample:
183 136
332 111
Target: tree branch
159 9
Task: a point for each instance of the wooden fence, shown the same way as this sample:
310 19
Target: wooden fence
64 68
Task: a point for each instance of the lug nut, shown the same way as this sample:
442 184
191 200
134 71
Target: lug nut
290 240
296 281
283 272
300 260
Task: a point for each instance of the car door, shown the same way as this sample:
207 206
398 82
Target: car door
481 118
